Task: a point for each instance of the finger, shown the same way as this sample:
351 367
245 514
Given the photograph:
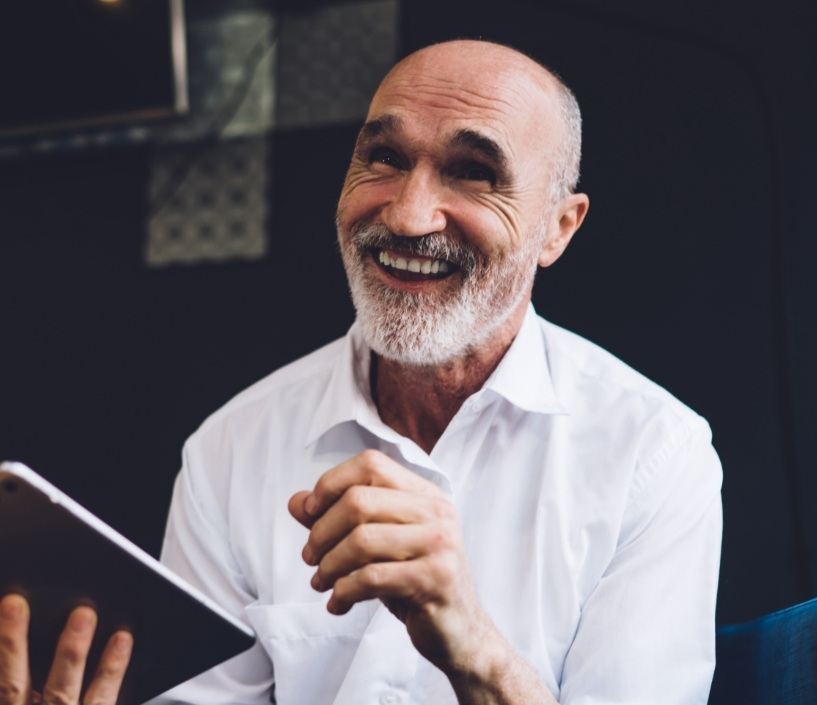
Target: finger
374 543
65 678
409 580
104 688
361 505
14 675
371 467
297 510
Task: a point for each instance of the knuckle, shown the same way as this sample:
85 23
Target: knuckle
370 458
442 508
102 698
439 539
9 644
105 672
103 694
11 691
108 670
56 697
371 576
444 569
376 463
357 501
361 539
72 653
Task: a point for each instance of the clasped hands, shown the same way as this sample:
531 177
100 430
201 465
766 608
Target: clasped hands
378 530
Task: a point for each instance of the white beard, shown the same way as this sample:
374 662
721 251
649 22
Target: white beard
428 329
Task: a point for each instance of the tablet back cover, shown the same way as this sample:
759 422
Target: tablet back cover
58 560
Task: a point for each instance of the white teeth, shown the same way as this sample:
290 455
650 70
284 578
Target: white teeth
413 265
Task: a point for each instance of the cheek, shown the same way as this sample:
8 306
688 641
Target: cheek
362 199
485 226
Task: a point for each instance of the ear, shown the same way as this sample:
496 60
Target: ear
565 219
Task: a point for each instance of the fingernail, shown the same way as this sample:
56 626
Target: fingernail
311 505
122 642
81 621
308 555
11 607
316 581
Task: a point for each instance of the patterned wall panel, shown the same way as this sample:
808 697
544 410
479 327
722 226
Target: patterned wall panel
331 60
208 189
251 72
216 210
231 59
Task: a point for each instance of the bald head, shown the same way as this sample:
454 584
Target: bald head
459 186
513 78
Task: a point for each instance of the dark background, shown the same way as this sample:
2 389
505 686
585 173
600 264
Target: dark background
78 85
694 266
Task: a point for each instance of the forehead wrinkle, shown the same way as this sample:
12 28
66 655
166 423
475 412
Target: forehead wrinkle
488 75
501 111
444 94
443 106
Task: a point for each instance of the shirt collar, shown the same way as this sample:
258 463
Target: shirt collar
523 375
522 378
347 393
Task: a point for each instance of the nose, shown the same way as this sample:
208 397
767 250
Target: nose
416 209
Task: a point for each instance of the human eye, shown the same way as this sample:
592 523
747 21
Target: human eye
384 155
474 171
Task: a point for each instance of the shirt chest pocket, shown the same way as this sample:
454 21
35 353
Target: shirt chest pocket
311 650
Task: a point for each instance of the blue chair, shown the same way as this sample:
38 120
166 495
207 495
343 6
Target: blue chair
768 661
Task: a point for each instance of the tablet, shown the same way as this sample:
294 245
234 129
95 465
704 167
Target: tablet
59 555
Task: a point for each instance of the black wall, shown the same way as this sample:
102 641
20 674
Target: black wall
694 267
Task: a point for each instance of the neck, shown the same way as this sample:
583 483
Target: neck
419 402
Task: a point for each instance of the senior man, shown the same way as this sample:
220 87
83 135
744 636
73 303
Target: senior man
489 509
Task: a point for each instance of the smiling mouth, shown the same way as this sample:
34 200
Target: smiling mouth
412 268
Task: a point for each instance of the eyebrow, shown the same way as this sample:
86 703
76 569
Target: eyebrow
388 125
488 148
383 125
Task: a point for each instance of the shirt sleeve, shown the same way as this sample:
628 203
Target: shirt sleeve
197 548
646 635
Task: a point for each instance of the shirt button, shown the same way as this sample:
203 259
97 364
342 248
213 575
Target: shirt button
390 699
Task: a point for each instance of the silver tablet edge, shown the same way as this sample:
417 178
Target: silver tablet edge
32 478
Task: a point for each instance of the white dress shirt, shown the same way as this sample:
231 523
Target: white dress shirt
590 506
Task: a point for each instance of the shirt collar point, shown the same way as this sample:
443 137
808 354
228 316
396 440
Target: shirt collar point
523 375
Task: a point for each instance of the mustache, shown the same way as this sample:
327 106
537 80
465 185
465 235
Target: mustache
434 246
